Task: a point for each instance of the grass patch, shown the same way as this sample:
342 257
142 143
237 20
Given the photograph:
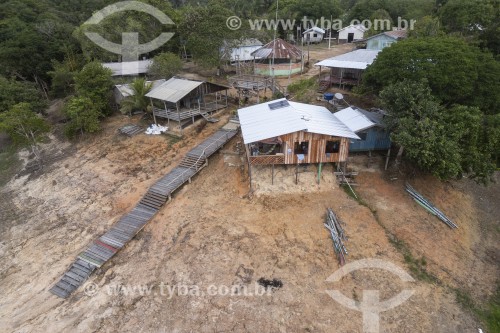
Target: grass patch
304 90
416 266
9 164
489 315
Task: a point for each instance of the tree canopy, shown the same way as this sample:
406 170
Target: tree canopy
165 65
456 72
444 142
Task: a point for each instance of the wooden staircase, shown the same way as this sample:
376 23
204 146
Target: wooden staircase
323 86
192 162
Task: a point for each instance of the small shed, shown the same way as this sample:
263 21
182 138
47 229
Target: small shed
351 33
237 50
382 40
313 35
369 126
129 68
286 132
183 100
277 58
346 69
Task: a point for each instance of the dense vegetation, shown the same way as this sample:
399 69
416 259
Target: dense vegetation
449 66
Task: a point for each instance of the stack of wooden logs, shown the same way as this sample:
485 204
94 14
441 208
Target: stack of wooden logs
334 225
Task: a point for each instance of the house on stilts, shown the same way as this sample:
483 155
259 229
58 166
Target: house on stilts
291 133
182 101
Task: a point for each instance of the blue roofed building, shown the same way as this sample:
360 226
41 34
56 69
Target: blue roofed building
369 126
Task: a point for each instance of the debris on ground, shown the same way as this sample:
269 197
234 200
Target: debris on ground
270 284
155 129
333 224
130 129
429 206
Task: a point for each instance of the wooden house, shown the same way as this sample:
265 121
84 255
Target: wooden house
351 33
345 69
286 132
183 100
369 126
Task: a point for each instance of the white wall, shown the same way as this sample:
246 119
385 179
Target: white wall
312 39
343 35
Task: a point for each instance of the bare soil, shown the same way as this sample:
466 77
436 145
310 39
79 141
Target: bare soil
212 233
215 233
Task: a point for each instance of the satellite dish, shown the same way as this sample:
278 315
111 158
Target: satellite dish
339 96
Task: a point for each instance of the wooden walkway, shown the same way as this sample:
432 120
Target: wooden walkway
106 246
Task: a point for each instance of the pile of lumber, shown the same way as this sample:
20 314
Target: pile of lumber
429 206
334 225
130 130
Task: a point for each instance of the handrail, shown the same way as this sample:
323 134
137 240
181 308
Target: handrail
202 155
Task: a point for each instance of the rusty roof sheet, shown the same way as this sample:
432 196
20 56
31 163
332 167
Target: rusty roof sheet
279 49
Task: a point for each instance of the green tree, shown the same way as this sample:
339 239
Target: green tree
205 31
63 73
457 73
381 16
83 115
94 82
165 65
138 101
444 142
112 27
14 91
427 26
468 16
24 126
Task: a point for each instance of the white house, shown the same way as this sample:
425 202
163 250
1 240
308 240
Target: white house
351 33
241 50
313 35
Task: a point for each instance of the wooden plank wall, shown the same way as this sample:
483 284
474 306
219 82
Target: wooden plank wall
317 146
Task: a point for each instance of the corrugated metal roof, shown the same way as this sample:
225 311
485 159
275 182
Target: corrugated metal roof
315 29
398 34
173 90
129 68
280 49
354 119
126 89
259 122
359 59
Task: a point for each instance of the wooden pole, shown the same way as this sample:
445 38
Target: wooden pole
153 110
297 174
387 158
319 171
272 176
166 113
179 116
